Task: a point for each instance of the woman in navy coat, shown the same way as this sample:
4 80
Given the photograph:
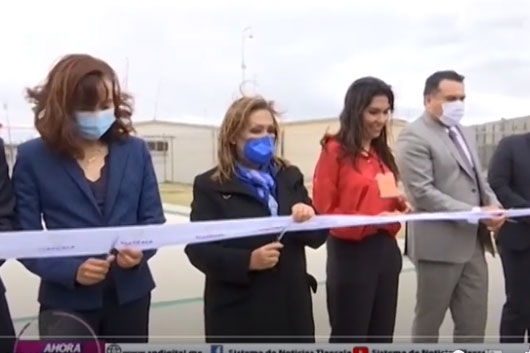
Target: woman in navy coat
87 171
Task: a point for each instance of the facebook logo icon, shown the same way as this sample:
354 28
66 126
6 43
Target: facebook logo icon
216 349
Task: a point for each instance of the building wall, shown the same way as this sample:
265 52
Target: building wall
489 135
182 151
300 142
179 151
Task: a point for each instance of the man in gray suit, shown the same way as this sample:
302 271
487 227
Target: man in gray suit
440 171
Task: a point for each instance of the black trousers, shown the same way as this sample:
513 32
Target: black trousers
362 288
114 323
7 331
515 320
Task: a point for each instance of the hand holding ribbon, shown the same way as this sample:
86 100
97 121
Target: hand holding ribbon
495 223
302 212
93 271
128 258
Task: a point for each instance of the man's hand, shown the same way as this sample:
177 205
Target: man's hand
495 223
128 258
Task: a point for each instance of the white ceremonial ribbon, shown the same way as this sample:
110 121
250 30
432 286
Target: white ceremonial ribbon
98 241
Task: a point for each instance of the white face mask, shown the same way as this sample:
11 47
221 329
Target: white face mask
452 113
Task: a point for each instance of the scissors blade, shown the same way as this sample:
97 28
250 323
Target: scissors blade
282 233
113 245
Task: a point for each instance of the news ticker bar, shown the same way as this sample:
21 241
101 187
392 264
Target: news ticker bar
318 348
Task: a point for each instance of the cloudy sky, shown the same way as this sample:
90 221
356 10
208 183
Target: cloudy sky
182 59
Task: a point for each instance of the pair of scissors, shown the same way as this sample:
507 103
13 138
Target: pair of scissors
282 233
113 250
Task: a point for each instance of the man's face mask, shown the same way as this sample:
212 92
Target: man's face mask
452 113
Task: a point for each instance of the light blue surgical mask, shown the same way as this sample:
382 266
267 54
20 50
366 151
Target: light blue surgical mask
93 125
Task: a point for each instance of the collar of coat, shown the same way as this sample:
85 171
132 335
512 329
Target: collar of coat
287 179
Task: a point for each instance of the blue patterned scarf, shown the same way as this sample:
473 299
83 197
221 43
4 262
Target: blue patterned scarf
263 183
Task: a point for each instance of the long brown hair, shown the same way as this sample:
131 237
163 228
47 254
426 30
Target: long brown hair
76 82
350 134
234 122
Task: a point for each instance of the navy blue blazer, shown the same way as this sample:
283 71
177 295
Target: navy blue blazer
55 188
508 176
7 202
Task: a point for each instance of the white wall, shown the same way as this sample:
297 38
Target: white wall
301 141
191 149
301 144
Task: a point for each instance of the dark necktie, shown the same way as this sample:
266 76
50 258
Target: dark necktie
459 148
483 233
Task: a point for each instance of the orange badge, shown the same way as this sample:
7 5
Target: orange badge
387 185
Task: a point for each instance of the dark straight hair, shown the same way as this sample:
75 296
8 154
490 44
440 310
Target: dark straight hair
350 135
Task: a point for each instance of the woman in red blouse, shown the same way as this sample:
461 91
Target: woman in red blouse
356 174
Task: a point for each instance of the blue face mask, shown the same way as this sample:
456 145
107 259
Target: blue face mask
259 151
93 125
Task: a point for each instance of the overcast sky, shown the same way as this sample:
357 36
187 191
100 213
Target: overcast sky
303 54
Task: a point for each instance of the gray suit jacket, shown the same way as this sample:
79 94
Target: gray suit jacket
437 179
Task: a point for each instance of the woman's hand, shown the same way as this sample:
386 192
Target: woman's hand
93 271
404 205
302 212
387 213
128 258
265 257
